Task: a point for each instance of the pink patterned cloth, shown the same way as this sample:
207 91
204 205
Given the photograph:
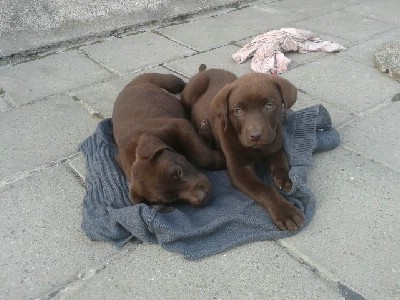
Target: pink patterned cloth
267 49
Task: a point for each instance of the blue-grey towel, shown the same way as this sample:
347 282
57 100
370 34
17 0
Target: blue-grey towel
230 219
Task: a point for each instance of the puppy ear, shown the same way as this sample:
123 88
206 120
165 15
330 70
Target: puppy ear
287 90
149 146
220 105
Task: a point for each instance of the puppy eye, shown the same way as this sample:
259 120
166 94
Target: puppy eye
269 106
238 111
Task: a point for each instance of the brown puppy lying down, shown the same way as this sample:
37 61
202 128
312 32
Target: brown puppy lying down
150 128
245 122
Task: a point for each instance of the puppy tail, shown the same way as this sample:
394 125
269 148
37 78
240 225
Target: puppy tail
169 82
202 67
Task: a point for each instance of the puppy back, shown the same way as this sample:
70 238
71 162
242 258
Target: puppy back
169 82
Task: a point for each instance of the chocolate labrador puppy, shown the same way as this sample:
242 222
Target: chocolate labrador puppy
150 130
243 117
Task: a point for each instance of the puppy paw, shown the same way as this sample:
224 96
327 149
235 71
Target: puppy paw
287 217
282 180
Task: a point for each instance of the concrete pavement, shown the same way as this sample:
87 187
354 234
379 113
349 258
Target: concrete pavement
28 27
49 104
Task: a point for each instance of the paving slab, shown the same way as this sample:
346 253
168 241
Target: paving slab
135 52
376 136
217 58
41 133
3 105
339 115
78 166
353 238
42 246
206 34
345 24
312 8
354 234
261 18
49 75
101 96
364 51
255 271
25 28
342 81
386 11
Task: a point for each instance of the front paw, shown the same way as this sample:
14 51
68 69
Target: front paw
286 216
282 180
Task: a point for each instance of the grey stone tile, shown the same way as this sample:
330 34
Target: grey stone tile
3 105
101 96
345 24
206 33
261 18
135 52
312 7
354 233
342 81
78 165
376 135
255 271
245 41
387 11
41 133
24 27
365 50
339 115
42 246
217 58
27 82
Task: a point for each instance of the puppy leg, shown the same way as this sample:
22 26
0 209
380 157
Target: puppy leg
280 170
283 213
181 132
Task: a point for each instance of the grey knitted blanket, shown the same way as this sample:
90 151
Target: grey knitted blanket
230 219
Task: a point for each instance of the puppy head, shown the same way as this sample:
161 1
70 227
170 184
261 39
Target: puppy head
252 106
161 175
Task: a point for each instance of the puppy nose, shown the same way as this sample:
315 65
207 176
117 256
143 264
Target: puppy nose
255 135
203 196
203 191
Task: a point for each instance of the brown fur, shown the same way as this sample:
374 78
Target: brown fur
242 117
150 128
